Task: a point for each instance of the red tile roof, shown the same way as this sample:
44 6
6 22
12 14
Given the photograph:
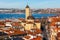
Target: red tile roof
38 38
29 22
21 19
2 23
27 37
16 24
58 34
24 21
15 32
7 20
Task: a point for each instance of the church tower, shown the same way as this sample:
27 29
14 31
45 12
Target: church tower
27 11
29 18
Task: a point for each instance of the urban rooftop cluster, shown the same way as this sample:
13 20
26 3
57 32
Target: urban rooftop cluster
30 28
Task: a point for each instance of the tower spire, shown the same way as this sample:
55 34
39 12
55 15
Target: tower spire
28 12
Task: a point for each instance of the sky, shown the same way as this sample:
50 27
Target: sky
34 4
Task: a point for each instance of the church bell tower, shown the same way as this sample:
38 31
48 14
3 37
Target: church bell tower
27 11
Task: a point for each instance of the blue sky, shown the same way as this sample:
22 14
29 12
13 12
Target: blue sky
34 4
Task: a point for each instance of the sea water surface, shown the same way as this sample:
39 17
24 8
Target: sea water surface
22 15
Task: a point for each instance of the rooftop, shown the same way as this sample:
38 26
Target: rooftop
27 6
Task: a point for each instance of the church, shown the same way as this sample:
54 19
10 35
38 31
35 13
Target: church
30 21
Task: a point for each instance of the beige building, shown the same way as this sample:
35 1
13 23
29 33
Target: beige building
30 20
27 11
38 24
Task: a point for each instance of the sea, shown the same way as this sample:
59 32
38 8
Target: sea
22 15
